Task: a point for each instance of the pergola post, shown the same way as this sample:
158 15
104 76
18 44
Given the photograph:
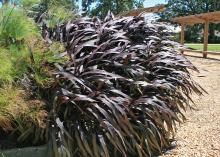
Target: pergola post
182 34
206 38
204 18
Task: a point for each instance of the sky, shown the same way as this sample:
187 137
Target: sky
151 3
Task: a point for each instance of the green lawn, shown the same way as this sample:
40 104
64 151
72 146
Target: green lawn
211 47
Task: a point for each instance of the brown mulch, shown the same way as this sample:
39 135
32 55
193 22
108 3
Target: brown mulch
199 136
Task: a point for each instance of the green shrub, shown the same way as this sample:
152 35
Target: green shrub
58 15
27 4
16 33
51 13
19 35
15 26
6 68
22 72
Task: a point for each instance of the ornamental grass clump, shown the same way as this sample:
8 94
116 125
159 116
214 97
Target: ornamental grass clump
23 76
21 118
122 90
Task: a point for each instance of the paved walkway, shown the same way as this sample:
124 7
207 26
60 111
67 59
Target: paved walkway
200 135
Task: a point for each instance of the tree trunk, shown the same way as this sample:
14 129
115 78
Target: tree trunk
212 37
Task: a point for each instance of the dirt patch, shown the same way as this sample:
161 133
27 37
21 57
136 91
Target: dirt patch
210 56
200 135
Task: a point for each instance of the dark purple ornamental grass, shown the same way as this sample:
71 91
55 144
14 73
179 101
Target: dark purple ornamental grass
122 90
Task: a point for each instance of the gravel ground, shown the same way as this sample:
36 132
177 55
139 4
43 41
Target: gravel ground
199 136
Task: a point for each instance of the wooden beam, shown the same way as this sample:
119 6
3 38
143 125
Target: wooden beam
206 38
139 11
182 35
212 17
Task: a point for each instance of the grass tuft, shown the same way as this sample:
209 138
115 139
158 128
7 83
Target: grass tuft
16 107
211 47
21 119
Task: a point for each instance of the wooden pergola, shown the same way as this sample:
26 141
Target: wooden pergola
205 18
137 12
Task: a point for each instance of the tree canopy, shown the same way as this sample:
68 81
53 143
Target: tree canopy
98 8
101 7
